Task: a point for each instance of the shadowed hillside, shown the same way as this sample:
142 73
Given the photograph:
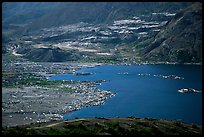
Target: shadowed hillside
107 126
180 40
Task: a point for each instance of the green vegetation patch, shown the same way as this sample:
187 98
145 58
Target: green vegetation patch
137 129
108 126
78 129
144 43
67 89
185 56
103 59
11 80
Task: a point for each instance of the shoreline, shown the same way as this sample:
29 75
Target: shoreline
157 63
52 113
21 106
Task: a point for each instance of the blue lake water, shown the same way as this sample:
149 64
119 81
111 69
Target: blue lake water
144 96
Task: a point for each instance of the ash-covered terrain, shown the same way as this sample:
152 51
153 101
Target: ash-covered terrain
42 39
123 32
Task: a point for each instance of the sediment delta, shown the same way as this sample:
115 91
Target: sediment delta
37 104
25 102
28 97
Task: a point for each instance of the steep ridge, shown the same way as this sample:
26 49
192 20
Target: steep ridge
180 40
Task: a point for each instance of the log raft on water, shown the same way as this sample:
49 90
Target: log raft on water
188 90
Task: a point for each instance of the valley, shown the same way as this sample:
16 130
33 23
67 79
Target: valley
39 42
90 42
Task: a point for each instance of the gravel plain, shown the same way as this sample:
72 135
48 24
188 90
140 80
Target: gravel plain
39 104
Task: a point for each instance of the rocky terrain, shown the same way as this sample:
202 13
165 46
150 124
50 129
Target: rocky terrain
87 42
20 106
180 40
25 87
121 33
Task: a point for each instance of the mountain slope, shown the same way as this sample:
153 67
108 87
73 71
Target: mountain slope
180 40
102 26
48 55
25 12
40 15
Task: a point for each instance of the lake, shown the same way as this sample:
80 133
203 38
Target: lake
144 96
